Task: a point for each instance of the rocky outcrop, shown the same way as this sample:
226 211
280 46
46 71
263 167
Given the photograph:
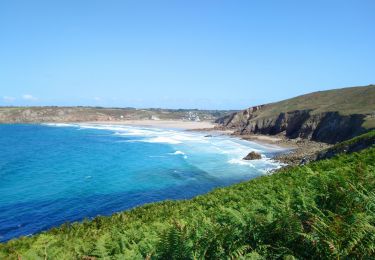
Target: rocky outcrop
328 127
239 118
306 150
328 116
252 156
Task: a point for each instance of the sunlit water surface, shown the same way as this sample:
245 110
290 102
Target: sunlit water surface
54 173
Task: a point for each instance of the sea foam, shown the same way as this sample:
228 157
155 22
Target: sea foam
110 168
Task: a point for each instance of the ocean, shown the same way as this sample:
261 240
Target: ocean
56 173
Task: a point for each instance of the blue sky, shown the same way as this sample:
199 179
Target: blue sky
181 54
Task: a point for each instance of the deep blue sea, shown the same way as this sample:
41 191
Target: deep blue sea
54 173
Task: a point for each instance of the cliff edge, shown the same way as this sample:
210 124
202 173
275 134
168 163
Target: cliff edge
326 116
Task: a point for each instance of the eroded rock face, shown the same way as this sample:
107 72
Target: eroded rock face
328 127
252 156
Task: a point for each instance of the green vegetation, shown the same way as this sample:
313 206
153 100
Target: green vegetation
369 122
354 100
325 209
346 101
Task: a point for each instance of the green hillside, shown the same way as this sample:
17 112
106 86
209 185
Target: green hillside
322 210
354 100
347 101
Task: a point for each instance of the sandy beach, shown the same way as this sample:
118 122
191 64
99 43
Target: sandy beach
263 139
205 126
200 126
178 124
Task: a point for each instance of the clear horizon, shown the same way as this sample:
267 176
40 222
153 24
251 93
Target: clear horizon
170 54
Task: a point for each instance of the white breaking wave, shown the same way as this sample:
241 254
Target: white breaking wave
151 135
178 152
241 162
219 155
161 139
59 124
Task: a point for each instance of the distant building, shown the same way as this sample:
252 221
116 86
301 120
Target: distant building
192 116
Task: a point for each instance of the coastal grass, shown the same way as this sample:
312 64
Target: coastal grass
369 122
347 101
323 210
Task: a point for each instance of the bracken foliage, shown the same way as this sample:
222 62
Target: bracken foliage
321 210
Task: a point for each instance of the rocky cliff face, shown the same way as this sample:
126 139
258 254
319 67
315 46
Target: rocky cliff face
328 127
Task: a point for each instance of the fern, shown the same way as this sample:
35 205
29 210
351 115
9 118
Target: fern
322 210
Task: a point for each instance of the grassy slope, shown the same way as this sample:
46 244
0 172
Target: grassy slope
325 209
354 100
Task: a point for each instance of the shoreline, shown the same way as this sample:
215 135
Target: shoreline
197 126
176 124
300 150
294 150
297 150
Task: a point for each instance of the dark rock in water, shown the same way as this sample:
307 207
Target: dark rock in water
252 156
208 136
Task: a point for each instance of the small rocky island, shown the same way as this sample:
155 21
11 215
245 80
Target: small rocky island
252 156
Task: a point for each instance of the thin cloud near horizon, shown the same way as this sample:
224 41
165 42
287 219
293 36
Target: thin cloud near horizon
29 97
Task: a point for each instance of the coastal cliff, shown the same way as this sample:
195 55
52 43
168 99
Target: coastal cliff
326 116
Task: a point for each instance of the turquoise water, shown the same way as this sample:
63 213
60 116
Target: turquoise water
54 173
